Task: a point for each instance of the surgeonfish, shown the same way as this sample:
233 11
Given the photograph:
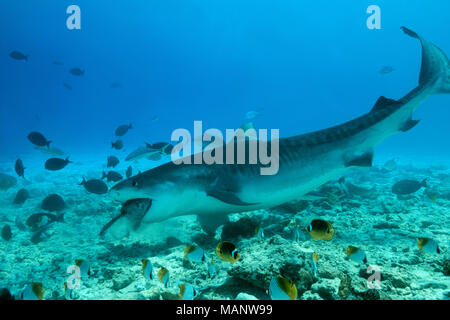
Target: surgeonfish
314 262
133 210
163 276
19 168
187 292
122 130
211 269
17 55
259 232
85 268
406 187
112 161
117 145
112 176
38 139
55 164
7 181
356 254
320 230
194 253
428 245
390 165
6 232
227 251
33 291
76 72
147 269
53 203
95 186
282 289
41 234
21 196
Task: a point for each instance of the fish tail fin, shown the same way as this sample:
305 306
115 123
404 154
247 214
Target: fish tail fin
435 70
112 144
424 183
67 160
60 217
48 144
130 126
83 182
104 175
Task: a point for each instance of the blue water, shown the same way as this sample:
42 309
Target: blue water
303 65
308 65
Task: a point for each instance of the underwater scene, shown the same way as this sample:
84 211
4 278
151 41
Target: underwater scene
224 150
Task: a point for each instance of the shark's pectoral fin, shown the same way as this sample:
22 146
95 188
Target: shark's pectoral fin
228 197
408 125
360 160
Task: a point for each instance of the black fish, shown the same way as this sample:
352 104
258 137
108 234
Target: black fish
18 55
38 220
67 86
112 176
20 169
129 172
122 130
5 294
21 196
58 63
95 186
54 164
406 187
53 203
6 232
112 161
38 236
76 71
134 210
386 69
117 145
38 139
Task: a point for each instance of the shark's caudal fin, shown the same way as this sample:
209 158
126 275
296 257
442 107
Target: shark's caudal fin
435 65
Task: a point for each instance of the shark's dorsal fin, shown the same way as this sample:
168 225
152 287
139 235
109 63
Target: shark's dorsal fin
382 103
227 197
361 160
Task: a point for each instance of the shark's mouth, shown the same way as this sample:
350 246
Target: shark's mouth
132 210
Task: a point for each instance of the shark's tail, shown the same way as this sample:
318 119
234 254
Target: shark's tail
435 69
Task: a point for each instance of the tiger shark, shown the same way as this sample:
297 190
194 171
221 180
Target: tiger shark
305 161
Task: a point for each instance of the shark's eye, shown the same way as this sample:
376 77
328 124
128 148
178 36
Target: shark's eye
134 183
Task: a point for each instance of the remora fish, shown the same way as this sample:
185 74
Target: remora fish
134 210
305 162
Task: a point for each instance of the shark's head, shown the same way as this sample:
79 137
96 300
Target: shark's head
139 186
